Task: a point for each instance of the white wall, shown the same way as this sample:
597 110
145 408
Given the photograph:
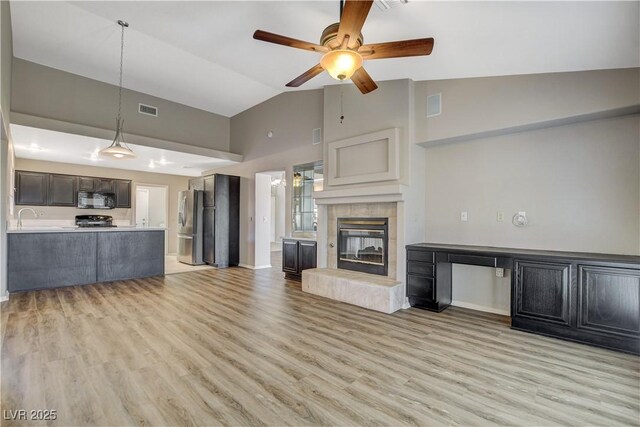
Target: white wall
263 221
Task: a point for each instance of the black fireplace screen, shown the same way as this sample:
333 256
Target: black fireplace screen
362 245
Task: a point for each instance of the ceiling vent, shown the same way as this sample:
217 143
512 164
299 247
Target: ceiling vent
316 136
148 110
434 105
384 5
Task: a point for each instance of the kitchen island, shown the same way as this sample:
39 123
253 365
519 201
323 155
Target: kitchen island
52 257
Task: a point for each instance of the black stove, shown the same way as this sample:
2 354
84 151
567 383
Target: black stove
94 221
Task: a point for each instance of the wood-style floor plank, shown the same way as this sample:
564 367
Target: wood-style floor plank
243 347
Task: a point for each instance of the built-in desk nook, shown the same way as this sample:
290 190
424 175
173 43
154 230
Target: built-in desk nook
590 298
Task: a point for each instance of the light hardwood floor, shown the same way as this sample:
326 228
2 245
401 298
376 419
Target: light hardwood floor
242 347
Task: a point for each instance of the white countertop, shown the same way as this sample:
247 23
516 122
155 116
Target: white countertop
73 229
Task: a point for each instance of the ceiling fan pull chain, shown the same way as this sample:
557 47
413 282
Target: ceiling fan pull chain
341 104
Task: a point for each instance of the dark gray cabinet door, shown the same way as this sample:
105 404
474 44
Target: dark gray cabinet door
103 185
86 183
609 300
543 291
209 184
209 236
123 193
31 188
63 190
290 256
130 254
196 184
307 257
50 260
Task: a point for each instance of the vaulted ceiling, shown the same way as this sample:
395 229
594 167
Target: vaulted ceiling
202 54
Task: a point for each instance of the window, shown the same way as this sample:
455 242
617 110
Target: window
306 179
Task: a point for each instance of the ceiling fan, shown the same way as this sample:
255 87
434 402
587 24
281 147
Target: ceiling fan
343 50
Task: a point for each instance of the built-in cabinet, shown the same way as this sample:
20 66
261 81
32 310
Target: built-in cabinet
298 255
44 189
590 298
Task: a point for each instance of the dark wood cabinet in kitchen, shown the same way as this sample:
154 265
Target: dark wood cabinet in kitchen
63 190
221 222
103 185
298 255
86 183
31 188
122 189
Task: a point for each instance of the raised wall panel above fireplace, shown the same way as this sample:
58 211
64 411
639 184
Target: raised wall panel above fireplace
374 157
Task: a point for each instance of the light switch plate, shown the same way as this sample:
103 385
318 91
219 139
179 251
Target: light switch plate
464 216
500 216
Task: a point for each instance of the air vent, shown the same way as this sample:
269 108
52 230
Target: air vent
384 5
434 105
148 110
316 136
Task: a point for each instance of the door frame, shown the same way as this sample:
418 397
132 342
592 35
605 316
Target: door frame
166 208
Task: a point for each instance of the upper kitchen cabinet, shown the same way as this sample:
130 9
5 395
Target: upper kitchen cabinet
123 193
63 190
209 191
31 188
103 185
86 183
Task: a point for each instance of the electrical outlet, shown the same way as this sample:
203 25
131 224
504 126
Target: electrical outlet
463 216
499 216
499 272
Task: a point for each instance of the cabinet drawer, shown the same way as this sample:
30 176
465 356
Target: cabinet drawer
424 256
422 287
422 268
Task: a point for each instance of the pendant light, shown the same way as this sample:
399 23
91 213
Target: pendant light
118 148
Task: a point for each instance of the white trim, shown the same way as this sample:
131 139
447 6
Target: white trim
393 158
369 194
480 308
4 297
252 267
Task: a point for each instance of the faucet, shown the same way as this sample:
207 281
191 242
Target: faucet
20 215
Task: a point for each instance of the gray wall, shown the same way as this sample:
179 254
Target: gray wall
483 104
6 153
291 116
42 91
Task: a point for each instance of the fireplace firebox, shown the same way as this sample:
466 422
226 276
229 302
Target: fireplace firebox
363 245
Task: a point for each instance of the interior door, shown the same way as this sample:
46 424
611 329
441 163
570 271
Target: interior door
142 207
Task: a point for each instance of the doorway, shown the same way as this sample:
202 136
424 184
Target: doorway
152 208
270 214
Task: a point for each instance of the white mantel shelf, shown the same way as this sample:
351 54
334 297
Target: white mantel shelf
368 194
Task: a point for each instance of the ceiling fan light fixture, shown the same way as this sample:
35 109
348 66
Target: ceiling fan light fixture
341 63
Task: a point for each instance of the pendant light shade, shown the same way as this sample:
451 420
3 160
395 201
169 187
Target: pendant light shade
118 148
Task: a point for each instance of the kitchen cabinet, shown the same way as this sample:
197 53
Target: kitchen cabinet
221 222
209 186
123 193
31 188
63 190
44 189
298 255
42 260
196 184
588 298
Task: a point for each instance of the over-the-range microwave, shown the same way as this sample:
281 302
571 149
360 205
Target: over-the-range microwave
91 200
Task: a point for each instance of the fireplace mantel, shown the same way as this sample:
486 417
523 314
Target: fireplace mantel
368 194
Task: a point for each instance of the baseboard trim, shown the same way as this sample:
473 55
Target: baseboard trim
480 308
4 298
254 267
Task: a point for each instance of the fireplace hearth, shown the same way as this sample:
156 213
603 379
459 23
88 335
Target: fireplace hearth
363 245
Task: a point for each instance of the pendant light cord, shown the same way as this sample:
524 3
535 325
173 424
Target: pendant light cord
122 25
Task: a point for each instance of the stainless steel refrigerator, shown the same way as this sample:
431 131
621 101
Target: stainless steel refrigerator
190 227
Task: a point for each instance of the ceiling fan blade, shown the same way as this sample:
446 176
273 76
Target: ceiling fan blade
288 41
353 16
363 81
306 76
399 49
